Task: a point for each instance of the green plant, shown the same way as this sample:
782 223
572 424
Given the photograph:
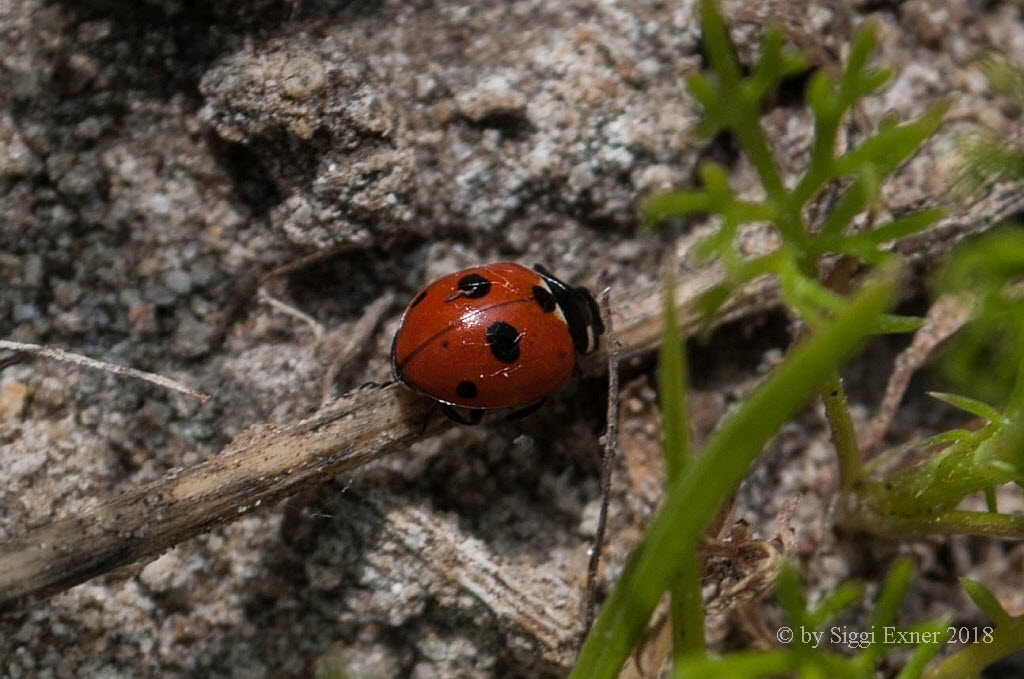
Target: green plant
694 496
808 653
923 498
1006 636
837 322
988 157
686 605
733 103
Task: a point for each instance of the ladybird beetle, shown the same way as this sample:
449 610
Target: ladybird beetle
494 336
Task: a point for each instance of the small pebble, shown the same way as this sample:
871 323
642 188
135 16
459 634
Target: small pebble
178 281
13 396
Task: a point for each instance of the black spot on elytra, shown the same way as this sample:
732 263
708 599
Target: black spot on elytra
474 286
419 298
466 389
503 340
444 344
544 298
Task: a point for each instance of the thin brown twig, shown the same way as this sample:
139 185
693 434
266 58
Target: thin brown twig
356 341
945 317
609 454
13 359
265 297
304 261
248 283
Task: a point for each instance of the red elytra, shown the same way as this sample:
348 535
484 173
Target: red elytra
494 336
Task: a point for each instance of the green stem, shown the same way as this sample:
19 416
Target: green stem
747 128
851 466
743 117
1006 639
991 503
953 522
686 605
746 664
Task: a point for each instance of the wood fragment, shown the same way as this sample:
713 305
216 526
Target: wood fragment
530 602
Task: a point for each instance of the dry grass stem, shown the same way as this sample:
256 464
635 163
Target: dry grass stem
113 368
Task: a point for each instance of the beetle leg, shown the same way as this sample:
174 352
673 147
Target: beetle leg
475 415
526 411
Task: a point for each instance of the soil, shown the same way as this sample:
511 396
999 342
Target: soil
156 157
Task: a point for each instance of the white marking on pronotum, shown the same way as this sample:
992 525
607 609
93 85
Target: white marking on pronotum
558 307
